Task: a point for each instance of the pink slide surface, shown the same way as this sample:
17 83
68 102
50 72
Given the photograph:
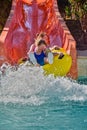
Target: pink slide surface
28 18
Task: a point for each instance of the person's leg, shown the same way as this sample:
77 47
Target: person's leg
49 59
32 58
46 60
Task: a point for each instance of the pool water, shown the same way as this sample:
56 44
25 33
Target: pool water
31 101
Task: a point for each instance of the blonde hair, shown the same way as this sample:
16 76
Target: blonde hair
40 36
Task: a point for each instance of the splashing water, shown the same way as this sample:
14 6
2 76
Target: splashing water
28 85
31 101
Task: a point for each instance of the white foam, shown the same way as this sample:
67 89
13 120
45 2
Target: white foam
28 85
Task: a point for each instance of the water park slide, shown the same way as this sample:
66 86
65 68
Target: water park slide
29 17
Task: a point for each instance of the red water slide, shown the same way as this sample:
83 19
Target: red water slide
31 17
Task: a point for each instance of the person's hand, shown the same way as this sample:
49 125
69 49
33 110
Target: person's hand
37 65
56 47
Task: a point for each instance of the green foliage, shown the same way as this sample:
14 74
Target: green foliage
68 11
78 8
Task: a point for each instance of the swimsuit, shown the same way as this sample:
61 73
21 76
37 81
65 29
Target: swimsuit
40 58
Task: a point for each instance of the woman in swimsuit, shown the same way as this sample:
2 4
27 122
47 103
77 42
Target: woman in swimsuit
40 56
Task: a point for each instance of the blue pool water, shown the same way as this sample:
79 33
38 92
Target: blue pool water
31 101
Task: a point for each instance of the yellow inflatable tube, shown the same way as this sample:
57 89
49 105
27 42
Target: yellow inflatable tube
59 67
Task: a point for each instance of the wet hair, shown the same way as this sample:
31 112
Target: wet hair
41 42
41 34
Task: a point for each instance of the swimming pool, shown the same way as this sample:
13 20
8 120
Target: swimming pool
31 101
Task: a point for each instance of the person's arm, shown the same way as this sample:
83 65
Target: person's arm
54 47
46 51
32 48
